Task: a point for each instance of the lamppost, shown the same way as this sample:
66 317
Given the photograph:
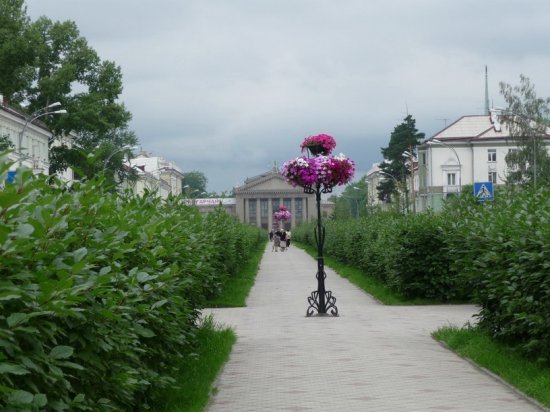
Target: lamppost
316 174
39 113
397 182
411 157
439 142
123 148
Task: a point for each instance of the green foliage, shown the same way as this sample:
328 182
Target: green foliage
101 288
528 118
422 267
496 253
405 137
503 250
194 183
17 53
6 143
44 62
532 378
197 374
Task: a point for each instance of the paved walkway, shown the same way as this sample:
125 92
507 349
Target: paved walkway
370 358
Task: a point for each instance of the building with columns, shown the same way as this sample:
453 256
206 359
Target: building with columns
260 196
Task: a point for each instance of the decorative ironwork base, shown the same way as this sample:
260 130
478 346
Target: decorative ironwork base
314 305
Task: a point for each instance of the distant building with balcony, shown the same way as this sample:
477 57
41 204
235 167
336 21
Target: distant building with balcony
156 174
472 149
34 152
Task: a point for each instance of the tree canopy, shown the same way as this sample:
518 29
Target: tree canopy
48 62
405 137
194 183
528 118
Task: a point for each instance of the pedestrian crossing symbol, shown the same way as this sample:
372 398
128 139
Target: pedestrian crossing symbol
483 191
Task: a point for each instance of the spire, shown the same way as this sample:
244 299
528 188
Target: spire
486 92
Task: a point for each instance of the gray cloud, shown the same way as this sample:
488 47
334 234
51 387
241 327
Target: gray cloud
227 87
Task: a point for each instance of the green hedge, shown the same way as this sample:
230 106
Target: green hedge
497 254
503 250
99 293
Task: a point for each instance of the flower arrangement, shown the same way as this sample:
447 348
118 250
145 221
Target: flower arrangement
322 144
282 214
327 171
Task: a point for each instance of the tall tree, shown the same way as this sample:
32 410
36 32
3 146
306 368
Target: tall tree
405 137
194 183
17 49
528 118
64 68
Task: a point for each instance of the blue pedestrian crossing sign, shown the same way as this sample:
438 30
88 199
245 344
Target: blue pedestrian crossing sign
483 191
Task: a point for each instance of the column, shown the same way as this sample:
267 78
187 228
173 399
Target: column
293 211
269 213
258 213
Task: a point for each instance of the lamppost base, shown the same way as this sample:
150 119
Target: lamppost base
329 308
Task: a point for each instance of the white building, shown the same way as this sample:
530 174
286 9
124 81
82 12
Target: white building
373 179
156 174
472 149
32 150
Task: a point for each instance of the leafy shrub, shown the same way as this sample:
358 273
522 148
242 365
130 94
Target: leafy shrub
423 267
504 250
97 287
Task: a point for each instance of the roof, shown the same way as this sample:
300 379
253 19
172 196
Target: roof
474 127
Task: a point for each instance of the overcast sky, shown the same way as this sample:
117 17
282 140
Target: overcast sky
227 87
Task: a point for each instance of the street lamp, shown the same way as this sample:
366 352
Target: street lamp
439 142
397 182
123 148
411 157
39 113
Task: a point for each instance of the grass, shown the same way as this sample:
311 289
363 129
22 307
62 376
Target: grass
236 289
214 345
198 373
530 377
369 284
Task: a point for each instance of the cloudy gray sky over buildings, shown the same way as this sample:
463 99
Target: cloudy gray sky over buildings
227 87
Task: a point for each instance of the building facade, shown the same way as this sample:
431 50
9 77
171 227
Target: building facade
157 175
31 147
260 196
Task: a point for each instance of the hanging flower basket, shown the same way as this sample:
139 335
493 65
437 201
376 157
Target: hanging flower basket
321 144
325 171
282 214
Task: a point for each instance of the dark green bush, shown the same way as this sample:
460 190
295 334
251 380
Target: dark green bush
503 248
99 293
423 267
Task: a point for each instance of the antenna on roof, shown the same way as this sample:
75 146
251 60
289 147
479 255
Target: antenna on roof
445 120
486 92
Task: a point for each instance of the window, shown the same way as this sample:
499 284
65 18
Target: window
275 205
423 158
492 177
263 208
252 210
492 155
451 179
287 203
299 215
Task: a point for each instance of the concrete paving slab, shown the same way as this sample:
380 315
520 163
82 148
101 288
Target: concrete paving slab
370 358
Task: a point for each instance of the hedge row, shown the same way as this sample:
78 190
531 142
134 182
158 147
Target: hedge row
497 254
99 293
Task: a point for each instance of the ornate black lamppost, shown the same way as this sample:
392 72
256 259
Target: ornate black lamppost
318 174
321 300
